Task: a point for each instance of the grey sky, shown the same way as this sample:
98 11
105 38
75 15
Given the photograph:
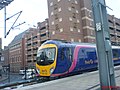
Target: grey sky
35 11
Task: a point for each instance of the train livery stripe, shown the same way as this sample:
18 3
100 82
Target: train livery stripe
74 59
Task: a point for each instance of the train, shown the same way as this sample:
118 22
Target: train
58 58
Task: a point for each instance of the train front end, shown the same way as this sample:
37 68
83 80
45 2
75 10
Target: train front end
46 60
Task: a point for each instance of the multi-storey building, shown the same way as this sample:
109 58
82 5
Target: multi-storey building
114 27
5 53
72 20
31 45
34 37
16 53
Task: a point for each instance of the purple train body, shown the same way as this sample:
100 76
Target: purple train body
57 58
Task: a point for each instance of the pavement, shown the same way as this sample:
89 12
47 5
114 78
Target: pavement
86 81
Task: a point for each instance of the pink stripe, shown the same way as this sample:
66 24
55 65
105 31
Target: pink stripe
74 63
74 58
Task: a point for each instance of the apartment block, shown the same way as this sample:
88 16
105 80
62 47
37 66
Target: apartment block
16 53
71 20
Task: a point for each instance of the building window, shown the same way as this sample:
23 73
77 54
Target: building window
76 2
74 15
91 32
79 40
53 23
59 10
42 35
52 13
56 27
53 32
60 19
78 21
56 16
71 29
72 39
51 4
69 8
47 23
78 30
89 13
90 23
70 18
58 0
77 11
55 7
75 25
61 30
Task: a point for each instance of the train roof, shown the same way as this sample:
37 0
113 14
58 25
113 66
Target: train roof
59 42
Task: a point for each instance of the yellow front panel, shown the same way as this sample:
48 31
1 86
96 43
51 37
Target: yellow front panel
45 70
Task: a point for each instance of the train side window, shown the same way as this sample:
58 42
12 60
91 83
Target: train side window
82 54
115 53
62 54
69 54
91 53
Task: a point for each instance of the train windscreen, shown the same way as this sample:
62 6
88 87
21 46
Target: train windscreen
46 56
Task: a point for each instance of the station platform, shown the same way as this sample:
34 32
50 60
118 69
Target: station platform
86 81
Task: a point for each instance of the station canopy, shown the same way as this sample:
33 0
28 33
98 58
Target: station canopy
4 3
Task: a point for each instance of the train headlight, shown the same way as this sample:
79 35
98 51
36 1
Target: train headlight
38 71
51 70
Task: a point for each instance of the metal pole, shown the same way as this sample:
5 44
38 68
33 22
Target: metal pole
9 73
106 67
4 22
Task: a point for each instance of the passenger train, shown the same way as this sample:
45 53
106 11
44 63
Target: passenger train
57 58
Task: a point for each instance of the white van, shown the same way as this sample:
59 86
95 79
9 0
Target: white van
30 73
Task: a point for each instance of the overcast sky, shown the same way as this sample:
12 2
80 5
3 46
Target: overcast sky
35 11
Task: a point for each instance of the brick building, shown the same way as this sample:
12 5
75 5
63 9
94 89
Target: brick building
34 37
73 20
114 27
6 55
16 53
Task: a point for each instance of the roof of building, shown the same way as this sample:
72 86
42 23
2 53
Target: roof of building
17 38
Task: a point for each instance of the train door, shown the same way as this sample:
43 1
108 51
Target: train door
65 59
